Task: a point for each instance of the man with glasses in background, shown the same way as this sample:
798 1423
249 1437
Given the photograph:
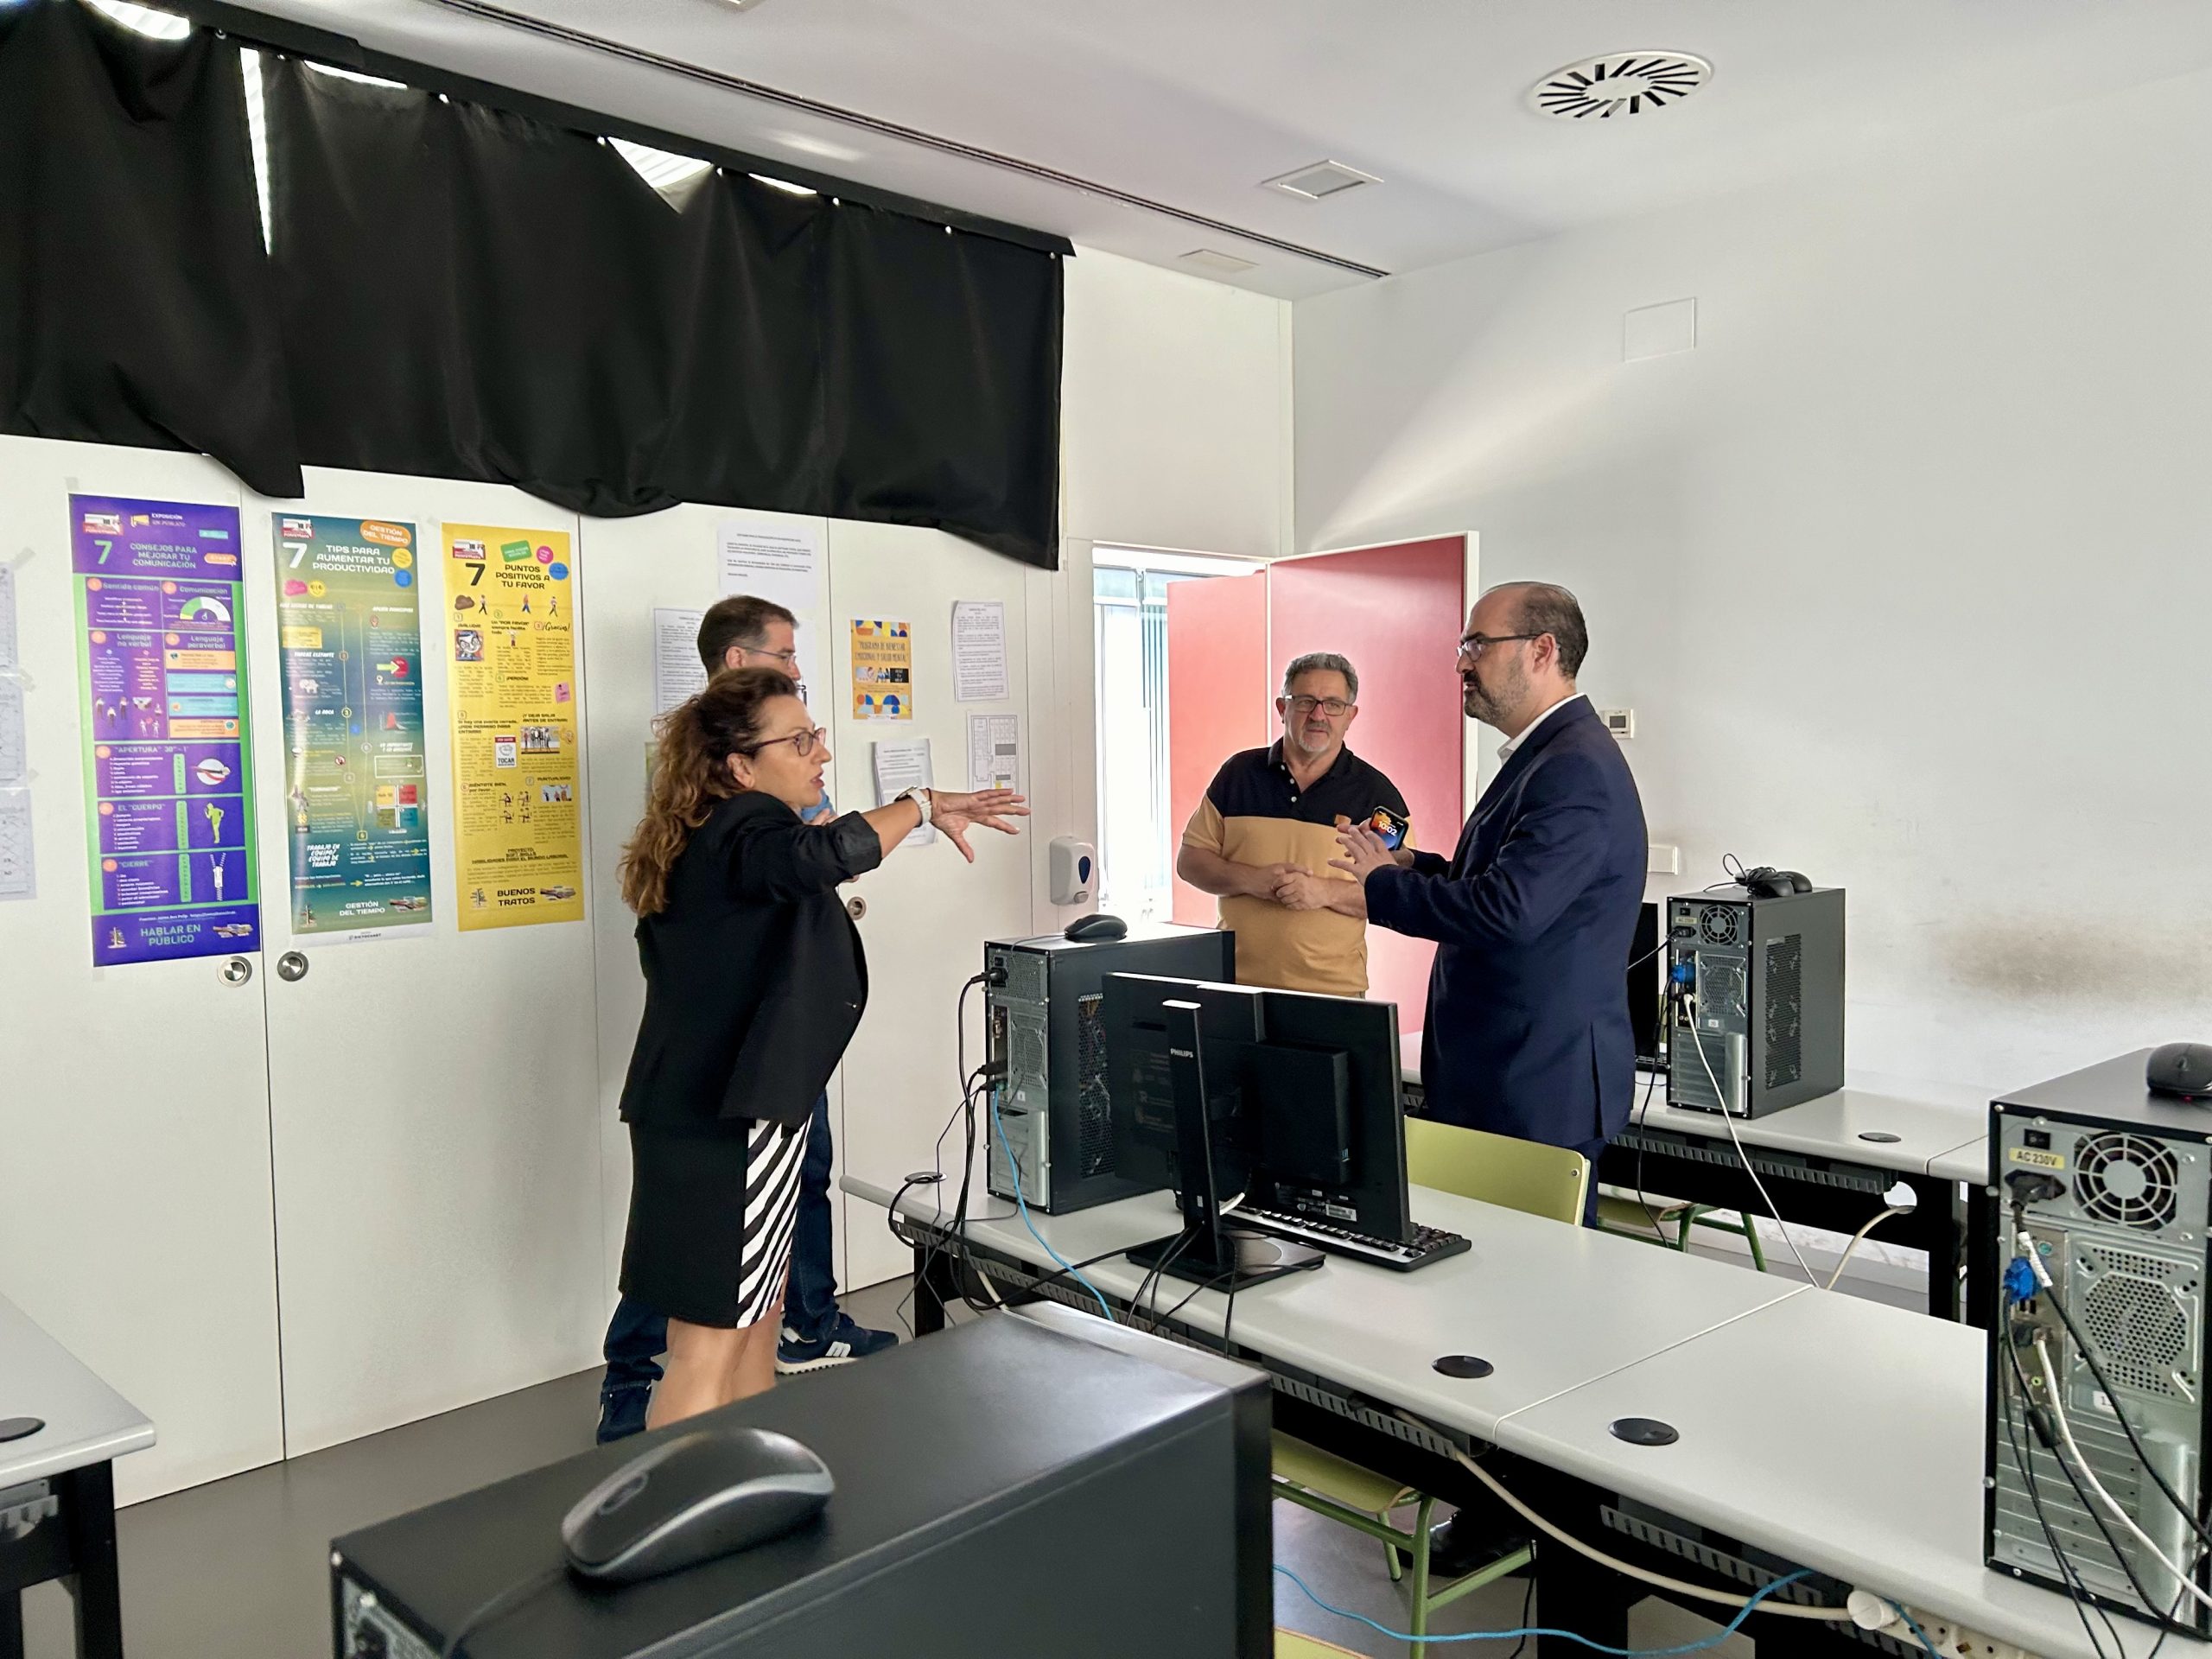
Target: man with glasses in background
1263 838
743 632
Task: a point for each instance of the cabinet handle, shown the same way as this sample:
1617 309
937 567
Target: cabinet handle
856 907
236 972
291 967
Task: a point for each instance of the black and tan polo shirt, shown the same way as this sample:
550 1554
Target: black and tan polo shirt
1255 813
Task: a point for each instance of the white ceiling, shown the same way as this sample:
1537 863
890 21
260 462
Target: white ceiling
1192 103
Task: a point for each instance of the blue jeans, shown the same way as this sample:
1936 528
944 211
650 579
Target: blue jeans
637 1336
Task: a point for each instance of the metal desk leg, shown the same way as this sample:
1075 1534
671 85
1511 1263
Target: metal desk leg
1947 1245
1981 1286
11 1624
932 1285
88 1502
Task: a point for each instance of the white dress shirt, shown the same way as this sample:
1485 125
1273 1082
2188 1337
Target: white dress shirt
1505 749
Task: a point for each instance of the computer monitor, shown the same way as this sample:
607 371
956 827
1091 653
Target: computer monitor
1300 1115
1647 989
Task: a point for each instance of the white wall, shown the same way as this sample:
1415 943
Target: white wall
1175 409
1903 567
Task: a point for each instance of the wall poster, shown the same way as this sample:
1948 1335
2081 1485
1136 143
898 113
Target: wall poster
169 752
519 857
356 805
883 670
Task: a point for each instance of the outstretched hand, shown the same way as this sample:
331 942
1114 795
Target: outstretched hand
956 814
1365 852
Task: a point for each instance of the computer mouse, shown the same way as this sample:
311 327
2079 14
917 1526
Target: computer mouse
710 1492
1085 929
2183 1069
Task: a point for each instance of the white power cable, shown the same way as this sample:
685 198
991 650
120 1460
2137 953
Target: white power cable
2118 1514
1728 1118
1658 1580
1844 1260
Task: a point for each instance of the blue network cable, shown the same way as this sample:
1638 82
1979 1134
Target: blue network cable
1713 1641
1013 1167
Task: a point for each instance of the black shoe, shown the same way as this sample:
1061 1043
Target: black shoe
1458 1547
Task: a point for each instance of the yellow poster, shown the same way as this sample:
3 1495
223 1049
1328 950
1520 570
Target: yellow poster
883 670
518 818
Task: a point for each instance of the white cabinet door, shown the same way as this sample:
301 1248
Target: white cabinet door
134 1209
927 912
434 1092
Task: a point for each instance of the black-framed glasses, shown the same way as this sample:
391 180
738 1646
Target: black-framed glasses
788 659
806 744
1472 645
1334 708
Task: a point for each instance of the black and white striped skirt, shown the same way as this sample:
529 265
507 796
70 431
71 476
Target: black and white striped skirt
712 1210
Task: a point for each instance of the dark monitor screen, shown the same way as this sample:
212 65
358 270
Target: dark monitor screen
1647 990
1302 1094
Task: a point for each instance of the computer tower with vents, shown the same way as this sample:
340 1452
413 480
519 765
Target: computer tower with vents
2110 1186
1755 1016
1044 1012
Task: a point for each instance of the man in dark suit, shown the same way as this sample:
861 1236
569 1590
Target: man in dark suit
1527 1030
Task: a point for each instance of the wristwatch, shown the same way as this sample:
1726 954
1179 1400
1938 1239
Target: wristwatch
920 797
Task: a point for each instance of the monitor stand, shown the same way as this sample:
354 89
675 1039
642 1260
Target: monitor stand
1209 1251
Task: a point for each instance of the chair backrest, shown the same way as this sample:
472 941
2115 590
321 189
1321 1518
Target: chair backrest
1289 1645
1522 1175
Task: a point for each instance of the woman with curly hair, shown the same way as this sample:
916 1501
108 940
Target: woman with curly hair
754 984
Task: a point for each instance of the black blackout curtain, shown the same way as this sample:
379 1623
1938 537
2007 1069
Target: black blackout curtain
463 291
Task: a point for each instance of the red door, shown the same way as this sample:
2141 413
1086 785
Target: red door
1397 612
1219 700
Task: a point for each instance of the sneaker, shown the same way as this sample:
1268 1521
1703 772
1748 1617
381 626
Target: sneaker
843 1343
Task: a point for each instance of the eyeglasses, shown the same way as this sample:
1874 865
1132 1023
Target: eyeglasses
1472 645
1334 708
806 745
788 658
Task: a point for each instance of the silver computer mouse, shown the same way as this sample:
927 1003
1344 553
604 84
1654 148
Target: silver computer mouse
688 1499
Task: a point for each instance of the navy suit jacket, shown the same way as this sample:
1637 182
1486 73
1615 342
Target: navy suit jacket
1527 1030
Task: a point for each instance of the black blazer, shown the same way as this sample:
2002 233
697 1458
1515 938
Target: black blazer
754 976
1527 1030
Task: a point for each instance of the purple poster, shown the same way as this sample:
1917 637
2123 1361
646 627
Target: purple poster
168 756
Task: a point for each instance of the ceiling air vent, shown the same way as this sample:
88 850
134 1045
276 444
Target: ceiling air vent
1322 179
1620 83
1225 264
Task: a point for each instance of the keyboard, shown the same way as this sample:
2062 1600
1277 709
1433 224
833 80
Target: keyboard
1429 1243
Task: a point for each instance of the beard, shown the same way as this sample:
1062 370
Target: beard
1492 706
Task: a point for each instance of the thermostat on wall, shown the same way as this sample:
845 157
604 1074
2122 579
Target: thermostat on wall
1621 723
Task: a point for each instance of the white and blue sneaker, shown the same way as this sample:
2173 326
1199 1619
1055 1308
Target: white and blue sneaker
844 1342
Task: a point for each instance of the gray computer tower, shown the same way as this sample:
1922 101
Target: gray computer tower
1044 1014
1756 1013
1035 1483
2114 1187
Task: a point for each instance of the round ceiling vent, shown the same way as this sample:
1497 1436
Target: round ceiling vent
1620 83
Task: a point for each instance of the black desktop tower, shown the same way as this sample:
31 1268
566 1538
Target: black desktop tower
2113 1185
1039 1482
1045 1015
1756 1021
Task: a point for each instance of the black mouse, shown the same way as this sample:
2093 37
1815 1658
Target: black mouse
709 1492
1766 882
2183 1069
1084 930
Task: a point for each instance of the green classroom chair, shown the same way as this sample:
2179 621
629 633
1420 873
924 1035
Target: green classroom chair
1538 1180
1667 1222
1289 1645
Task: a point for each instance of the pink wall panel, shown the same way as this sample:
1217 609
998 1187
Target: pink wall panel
1219 698
1397 612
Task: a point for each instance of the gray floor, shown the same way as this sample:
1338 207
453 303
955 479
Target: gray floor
239 1569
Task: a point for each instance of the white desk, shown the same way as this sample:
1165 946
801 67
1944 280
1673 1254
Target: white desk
1549 1306
60 1478
1968 1163
1841 1433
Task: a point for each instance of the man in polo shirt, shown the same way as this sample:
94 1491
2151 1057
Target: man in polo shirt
1263 838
